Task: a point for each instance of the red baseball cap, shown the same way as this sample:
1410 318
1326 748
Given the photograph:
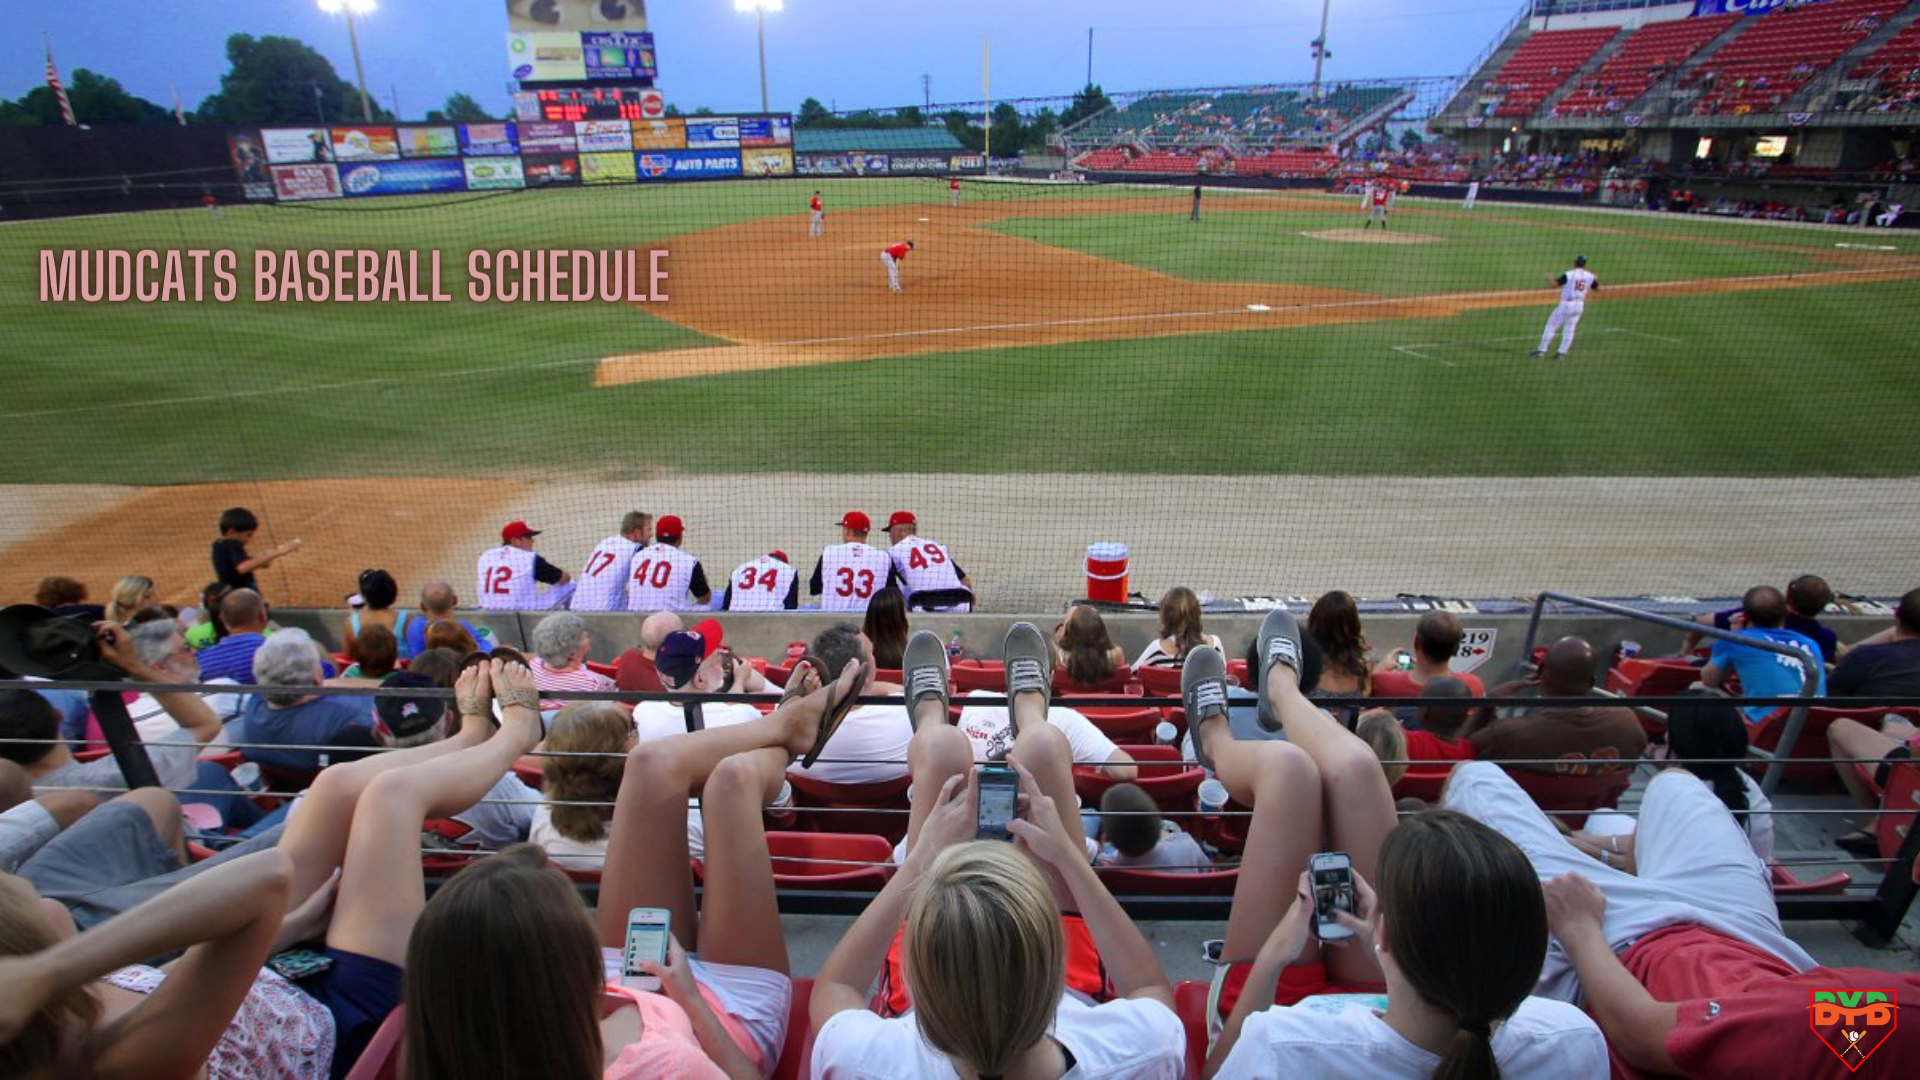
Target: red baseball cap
515 530
857 521
776 553
902 517
669 528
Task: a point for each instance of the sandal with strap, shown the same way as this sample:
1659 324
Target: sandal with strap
836 712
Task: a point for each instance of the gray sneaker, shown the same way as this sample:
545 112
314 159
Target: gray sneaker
924 669
1029 665
1203 693
1279 645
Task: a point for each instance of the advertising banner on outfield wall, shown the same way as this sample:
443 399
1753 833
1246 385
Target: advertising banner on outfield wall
547 137
770 161
365 144
249 158
487 140
287 145
551 170
968 163
1740 7
403 177
712 132
667 134
686 164
766 131
494 173
820 164
292 183
917 163
603 135
607 168
428 142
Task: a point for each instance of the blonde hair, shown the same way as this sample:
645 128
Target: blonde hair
985 955
1387 738
129 593
47 1043
593 727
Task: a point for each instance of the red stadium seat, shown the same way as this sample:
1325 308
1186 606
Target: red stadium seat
1159 681
1812 743
1190 1004
1651 678
1123 723
874 809
829 862
979 675
381 1059
1900 803
1114 684
1133 881
531 773
1786 884
601 669
1423 782
1598 790
1163 777
796 1055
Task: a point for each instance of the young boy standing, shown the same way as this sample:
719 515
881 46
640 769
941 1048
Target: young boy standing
231 563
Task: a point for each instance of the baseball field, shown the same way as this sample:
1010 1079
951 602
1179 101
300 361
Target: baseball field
1270 400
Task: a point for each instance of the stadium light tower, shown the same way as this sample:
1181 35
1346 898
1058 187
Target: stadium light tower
759 8
350 8
1319 46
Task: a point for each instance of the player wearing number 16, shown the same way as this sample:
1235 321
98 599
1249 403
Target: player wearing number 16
661 576
511 574
928 574
768 583
850 572
603 582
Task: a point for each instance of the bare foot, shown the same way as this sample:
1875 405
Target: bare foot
804 715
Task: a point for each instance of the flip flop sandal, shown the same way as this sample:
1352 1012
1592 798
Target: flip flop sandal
1858 842
836 712
796 678
1203 694
1029 668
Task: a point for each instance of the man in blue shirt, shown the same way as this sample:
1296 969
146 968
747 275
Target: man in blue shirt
267 722
245 616
1764 673
438 601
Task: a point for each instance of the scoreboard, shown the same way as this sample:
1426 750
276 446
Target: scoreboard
597 103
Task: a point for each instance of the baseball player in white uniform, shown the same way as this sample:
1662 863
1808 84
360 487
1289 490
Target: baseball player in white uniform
768 583
1473 194
603 582
1379 200
928 574
1575 286
851 571
661 576
511 574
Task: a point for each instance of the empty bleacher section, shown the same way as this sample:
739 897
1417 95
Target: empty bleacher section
1648 55
1759 70
1541 65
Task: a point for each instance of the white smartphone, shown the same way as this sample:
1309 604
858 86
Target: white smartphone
999 802
647 935
1332 875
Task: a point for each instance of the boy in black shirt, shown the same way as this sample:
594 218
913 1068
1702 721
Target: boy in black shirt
231 563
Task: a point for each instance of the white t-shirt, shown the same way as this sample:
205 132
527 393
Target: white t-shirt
565 851
762 584
658 578
1543 1038
850 574
152 721
603 581
506 579
1579 282
1156 655
875 737
1121 1040
924 565
992 736
1175 852
664 720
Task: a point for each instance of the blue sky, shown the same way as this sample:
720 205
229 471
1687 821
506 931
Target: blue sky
848 53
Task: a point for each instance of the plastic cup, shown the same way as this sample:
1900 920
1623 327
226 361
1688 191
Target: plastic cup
1213 797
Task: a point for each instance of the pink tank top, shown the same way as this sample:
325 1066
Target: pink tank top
667 1046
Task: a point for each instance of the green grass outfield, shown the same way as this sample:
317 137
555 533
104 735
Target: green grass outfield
1779 382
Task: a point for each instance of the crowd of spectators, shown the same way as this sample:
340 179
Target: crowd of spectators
992 942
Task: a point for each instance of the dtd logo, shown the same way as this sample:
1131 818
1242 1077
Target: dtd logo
1853 1023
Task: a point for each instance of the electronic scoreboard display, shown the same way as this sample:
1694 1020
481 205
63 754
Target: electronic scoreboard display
597 103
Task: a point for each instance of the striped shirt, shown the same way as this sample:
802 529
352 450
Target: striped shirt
546 679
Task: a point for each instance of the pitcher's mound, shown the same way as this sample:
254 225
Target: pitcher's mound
1372 236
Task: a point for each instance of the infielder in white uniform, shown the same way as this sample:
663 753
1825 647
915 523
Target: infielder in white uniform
1575 286
510 575
661 576
603 582
850 572
768 583
1473 194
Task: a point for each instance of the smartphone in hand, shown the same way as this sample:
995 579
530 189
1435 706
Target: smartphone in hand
647 935
1331 873
999 803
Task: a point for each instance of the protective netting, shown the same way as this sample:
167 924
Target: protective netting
1279 397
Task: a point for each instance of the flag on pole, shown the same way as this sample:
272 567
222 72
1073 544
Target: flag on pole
59 92
179 114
